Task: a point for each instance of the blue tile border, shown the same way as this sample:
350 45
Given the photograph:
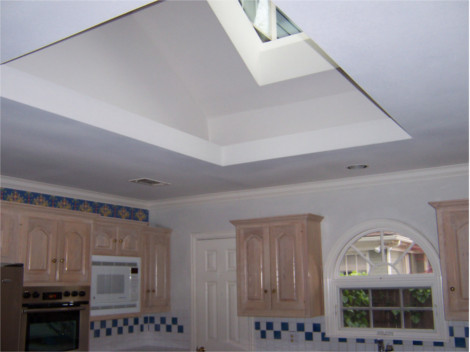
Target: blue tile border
131 325
315 333
80 205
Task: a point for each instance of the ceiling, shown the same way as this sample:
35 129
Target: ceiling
163 93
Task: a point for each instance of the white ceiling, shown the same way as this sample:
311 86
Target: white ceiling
110 104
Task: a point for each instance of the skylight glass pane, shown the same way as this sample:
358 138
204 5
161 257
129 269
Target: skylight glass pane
285 26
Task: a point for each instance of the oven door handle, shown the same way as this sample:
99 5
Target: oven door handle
49 310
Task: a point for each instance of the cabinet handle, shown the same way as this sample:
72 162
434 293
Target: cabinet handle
273 290
115 240
121 240
62 260
452 289
153 291
54 260
265 291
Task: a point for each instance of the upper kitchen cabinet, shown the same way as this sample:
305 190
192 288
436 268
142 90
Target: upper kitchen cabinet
279 266
452 222
156 270
9 235
53 244
117 237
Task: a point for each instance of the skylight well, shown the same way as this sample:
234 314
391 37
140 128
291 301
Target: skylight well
268 20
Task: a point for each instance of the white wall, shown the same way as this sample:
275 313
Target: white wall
402 197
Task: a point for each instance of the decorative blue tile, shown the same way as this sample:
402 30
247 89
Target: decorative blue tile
257 325
120 330
152 320
156 327
109 331
162 320
136 321
263 334
460 342
438 344
398 342
130 329
417 343
146 320
277 335
451 331
360 340
300 327
342 339
115 323
168 328
466 331
316 327
180 329
92 325
126 321
142 327
324 338
174 321
102 324
269 325
284 326
309 336
96 333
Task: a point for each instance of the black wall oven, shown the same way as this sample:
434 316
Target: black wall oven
55 318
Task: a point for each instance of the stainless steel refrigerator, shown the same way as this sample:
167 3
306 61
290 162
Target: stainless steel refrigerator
11 297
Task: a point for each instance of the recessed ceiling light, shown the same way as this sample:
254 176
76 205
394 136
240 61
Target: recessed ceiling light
357 167
149 182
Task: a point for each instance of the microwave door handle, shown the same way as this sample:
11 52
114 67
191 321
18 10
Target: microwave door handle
49 310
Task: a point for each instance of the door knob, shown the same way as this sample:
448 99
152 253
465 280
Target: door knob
54 260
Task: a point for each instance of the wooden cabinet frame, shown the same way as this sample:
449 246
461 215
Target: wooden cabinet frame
279 266
452 223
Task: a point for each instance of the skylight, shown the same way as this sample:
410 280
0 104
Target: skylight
269 21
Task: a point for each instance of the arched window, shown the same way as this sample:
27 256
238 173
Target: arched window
384 280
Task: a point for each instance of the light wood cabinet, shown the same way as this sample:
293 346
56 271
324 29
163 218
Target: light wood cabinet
10 236
156 270
452 222
55 249
279 266
117 237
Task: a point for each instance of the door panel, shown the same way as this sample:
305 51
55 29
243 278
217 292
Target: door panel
286 267
218 327
40 256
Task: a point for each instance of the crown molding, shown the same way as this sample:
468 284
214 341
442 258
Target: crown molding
62 191
318 186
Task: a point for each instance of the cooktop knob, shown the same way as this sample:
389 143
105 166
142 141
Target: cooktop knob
82 293
35 294
26 294
74 293
66 293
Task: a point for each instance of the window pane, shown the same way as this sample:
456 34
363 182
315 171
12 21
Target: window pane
386 298
422 319
387 318
417 297
355 298
356 318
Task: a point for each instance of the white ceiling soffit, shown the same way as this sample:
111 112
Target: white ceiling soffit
40 23
331 113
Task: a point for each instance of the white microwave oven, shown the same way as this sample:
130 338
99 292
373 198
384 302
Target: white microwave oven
115 285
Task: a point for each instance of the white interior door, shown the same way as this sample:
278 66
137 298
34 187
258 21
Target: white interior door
216 325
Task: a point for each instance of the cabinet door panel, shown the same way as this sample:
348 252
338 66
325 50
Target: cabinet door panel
104 239
10 237
452 220
74 251
253 270
129 241
286 267
40 258
156 278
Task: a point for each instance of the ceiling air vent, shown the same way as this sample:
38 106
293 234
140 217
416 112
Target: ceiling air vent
149 182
